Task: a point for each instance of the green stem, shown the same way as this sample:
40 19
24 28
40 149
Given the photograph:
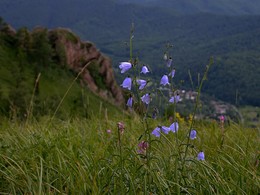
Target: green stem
195 110
121 159
66 93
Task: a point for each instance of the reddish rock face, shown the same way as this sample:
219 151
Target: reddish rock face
98 74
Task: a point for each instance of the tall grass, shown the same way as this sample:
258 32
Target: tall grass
80 157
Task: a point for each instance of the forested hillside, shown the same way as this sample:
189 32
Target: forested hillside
233 41
53 73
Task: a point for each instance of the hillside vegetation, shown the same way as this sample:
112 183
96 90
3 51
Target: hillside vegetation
36 81
233 40
92 157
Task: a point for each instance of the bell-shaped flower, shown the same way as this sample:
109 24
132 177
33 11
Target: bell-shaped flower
127 83
141 83
172 99
174 127
130 102
156 132
146 98
172 73
201 156
193 134
175 99
164 80
125 66
144 70
169 62
165 129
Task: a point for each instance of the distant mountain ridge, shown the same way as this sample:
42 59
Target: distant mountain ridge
223 7
233 40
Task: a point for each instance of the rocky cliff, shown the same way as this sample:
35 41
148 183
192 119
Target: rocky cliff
98 74
38 67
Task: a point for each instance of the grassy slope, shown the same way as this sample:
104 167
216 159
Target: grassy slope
53 84
79 156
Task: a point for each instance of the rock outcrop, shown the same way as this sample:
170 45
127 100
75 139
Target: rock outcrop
97 75
62 47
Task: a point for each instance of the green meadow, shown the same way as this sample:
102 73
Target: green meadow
80 156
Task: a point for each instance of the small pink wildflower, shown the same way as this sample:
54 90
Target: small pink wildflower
109 131
142 147
121 127
222 118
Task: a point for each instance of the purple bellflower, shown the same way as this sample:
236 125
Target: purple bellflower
144 70
125 66
169 62
172 74
172 99
156 132
201 156
127 83
175 99
174 127
146 98
164 80
142 83
193 134
130 102
165 129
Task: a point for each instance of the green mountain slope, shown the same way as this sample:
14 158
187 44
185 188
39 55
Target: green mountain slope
232 40
33 83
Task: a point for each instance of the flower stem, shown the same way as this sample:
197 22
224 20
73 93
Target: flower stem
194 112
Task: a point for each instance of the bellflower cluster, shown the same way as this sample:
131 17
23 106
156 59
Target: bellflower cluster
127 83
175 99
164 129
